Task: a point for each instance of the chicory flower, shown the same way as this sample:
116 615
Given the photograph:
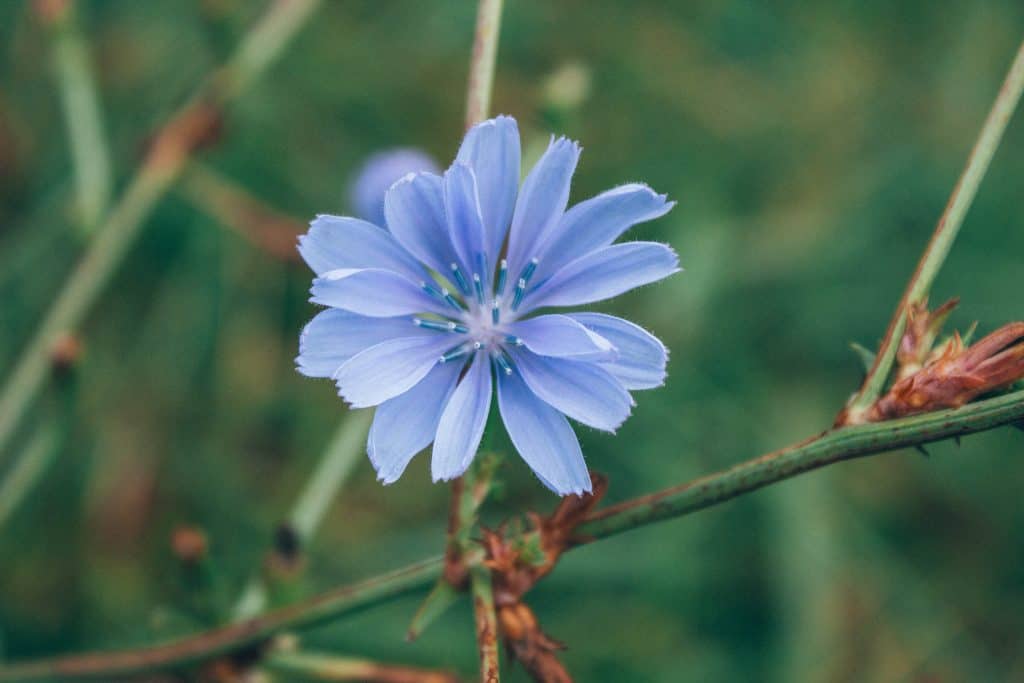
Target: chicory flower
431 314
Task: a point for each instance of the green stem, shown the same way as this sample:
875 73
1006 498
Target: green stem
339 459
942 240
37 456
828 448
172 147
486 623
90 154
481 66
320 667
180 653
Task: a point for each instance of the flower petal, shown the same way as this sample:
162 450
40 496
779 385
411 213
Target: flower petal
334 336
543 437
541 202
373 292
583 391
605 273
641 356
388 369
563 337
341 242
462 424
414 207
597 222
405 425
465 224
491 149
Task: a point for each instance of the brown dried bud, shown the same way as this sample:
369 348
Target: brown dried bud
923 327
957 375
189 544
65 352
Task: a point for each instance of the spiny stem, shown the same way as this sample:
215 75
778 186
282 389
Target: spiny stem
336 464
481 66
171 148
828 448
486 623
942 240
90 155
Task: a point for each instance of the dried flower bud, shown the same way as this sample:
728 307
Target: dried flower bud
955 375
923 327
65 352
189 544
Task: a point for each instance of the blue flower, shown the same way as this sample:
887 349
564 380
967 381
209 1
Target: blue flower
429 315
378 173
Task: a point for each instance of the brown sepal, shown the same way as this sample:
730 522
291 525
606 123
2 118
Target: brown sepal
956 375
514 574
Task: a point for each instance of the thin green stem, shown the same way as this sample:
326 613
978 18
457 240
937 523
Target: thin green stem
481 66
942 240
321 667
26 472
828 448
104 666
83 117
172 147
339 459
486 623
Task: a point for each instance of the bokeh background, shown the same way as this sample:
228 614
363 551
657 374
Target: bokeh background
811 147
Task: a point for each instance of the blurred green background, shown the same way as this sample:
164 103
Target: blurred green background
811 147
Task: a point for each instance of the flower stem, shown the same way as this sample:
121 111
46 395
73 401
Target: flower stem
172 146
486 623
23 475
820 451
321 667
481 66
331 473
942 240
90 155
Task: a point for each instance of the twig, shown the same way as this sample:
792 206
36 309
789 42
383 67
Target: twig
105 666
331 473
187 130
831 447
37 456
321 667
942 240
228 203
481 66
90 153
486 624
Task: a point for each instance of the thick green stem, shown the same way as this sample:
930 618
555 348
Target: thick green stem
942 240
170 151
831 447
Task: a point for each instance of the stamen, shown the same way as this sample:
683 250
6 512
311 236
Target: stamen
503 362
524 278
502 276
514 340
479 287
496 310
443 295
460 351
447 326
517 298
460 279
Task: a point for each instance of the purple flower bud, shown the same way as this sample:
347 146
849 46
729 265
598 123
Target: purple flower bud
378 173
